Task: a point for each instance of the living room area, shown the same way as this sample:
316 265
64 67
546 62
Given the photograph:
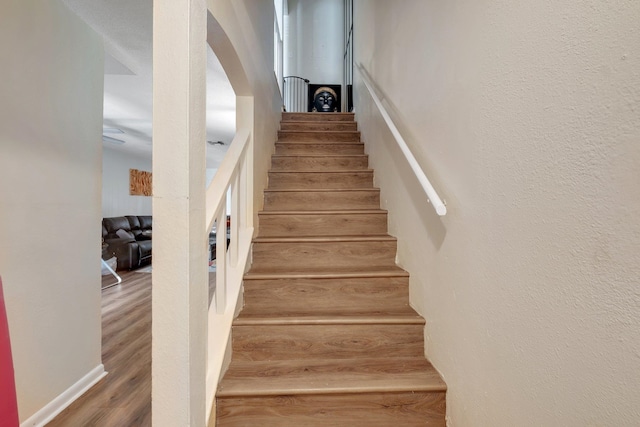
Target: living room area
127 221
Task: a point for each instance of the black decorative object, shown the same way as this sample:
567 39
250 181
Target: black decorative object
324 98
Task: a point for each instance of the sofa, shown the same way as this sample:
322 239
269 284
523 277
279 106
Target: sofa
128 238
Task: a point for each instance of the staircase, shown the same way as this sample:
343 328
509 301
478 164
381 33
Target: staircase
326 336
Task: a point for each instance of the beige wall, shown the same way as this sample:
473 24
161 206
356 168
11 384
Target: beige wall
249 26
526 117
116 200
314 40
50 163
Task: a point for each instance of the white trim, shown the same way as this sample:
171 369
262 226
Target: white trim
216 193
66 398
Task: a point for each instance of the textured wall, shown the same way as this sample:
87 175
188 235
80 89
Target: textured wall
526 115
249 26
314 40
116 200
50 152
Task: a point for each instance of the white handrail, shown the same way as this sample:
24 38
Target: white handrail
432 195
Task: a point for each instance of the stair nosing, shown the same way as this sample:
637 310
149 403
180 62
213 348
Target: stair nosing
323 131
330 113
331 212
326 239
319 155
350 144
319 190
367 171
363 389
409 319
431 380
311 121
319 274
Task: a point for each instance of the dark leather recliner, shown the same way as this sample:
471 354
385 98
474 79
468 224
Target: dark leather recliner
141 230
129 239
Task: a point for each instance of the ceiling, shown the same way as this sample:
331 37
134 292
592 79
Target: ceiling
126 26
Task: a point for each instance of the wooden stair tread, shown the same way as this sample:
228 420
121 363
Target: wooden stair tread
320 117
319 162
319 125
286 114
328 212
316 155
295 222
345 171
311 273
323 142
322 239
411 317
286 377
315 199
327 296
322 132
341 132
319 190
312 122
328 316
319 135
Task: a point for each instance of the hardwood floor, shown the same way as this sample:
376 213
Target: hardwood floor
123 397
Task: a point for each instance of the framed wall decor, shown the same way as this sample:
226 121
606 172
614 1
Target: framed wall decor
334 90
140 183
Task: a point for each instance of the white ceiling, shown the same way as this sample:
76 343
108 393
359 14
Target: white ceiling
126 26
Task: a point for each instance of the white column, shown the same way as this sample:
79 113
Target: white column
180 291
245 120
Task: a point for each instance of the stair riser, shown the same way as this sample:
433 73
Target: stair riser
353 224
321 200
323 255
408 409
314 297
320 126
286 342
313 163
319 148
320 180
320 117
319 136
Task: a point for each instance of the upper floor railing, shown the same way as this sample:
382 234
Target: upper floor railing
234 176
433 197
296 94
230 176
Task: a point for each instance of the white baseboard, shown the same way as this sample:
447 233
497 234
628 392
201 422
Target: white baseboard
57 405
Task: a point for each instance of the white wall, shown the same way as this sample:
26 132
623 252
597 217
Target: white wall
240 33
314 40
526 116
116 200
249 26
50 161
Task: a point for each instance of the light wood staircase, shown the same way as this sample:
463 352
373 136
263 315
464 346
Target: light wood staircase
326 336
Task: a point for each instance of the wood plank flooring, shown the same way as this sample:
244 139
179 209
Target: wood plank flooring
123 397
